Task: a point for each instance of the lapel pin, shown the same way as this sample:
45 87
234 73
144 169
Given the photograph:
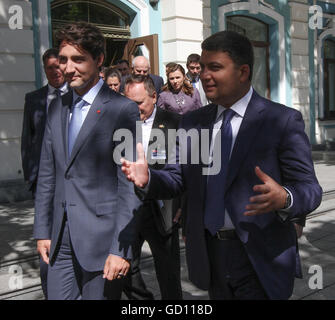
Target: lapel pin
161 126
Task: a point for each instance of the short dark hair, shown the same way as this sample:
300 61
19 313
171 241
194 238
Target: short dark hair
193 58
50 53
85 36
112 72
146 80
122 61
237 46
170 65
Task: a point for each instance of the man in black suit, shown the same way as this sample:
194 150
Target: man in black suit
35 114
156 223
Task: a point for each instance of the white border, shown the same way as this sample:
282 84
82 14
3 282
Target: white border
246 6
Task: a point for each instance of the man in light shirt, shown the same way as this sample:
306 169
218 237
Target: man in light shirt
240 239
193 74
156 217
80 187
35 114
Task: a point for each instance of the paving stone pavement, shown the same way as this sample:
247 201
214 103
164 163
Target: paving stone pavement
317 250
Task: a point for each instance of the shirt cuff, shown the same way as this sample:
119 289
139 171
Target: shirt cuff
284 213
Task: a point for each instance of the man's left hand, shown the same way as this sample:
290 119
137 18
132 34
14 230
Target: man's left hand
272 196
115 267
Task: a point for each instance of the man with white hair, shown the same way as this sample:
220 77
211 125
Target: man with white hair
141 65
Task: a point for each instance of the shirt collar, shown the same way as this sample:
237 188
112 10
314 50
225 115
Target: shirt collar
151 118
239 106
52 89
89 96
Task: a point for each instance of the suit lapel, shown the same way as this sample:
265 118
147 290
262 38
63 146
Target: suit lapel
95 113
206 122
253 118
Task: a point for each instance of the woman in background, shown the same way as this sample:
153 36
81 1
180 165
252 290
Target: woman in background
113 78
178 95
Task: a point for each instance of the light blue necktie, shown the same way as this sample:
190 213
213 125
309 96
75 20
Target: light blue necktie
215 202
75 123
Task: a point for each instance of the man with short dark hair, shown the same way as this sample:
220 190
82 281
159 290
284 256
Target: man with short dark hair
35 113
193 74
156 224
240 240
80 185
123 67
34 118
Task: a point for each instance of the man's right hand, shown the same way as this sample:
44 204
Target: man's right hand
137 172
43 248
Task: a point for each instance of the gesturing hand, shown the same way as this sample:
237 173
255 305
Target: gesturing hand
272 196
137 172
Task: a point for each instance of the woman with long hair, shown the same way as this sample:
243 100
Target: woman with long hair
178 95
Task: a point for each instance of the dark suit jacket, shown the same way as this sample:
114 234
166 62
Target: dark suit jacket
158 82
35 114
271 136
88 184
164 120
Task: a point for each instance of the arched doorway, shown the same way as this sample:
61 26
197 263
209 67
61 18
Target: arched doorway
113 22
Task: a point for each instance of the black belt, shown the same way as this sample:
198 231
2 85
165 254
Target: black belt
225 235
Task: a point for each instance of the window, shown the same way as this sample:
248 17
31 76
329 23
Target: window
113 23
329 79
258 34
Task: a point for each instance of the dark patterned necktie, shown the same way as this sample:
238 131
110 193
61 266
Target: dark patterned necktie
215 204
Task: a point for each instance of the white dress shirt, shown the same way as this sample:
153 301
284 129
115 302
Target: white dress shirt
146 131
239 107
52 92
88 97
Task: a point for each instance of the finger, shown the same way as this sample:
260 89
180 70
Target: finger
257 206
44 255
259 198
140 152
106 270
261 188
261 175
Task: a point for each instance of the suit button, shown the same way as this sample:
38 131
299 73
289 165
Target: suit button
67 177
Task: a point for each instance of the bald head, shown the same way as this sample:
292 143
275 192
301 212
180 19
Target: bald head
141 65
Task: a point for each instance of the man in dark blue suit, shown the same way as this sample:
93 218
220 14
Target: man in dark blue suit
35 113
81 188
240 239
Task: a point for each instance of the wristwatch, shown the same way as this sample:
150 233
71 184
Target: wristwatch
288 200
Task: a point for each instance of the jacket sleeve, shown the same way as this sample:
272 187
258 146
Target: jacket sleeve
45 188
297 168
124 233
26 139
